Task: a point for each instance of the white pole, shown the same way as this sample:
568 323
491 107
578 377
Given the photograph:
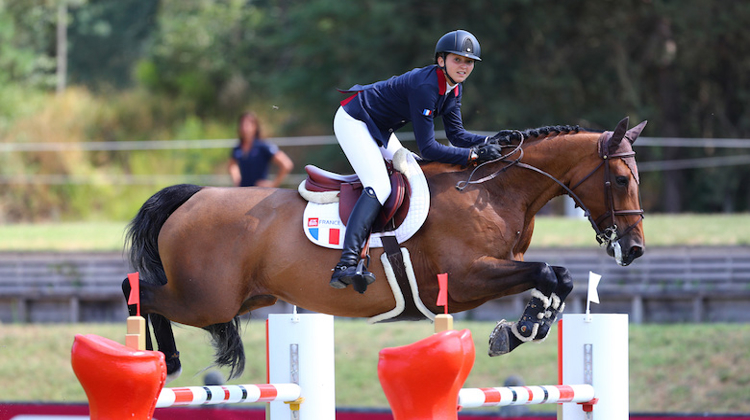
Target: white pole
595 351
301 350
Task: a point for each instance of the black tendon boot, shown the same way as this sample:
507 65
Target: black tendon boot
350 270
508 335
556 307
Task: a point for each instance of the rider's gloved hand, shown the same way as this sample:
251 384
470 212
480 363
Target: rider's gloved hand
487 152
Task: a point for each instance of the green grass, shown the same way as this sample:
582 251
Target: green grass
673 368
80 236
660 229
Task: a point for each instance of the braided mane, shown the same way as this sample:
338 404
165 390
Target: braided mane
514 136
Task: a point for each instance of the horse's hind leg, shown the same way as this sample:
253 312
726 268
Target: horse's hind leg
165 340
508 335
163 334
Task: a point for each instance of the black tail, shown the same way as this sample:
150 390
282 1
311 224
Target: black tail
142 237
143 230
228 344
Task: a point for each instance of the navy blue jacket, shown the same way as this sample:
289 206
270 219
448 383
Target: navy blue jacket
417 96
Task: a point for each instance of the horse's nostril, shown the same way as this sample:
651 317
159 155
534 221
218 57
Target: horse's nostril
636 251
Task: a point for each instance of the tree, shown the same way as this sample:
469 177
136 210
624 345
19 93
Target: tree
106 40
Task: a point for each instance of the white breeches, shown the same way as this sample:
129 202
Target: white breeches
364 154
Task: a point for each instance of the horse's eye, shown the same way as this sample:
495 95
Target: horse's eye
622 181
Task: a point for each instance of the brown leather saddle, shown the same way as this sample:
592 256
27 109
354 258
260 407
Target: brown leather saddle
350 188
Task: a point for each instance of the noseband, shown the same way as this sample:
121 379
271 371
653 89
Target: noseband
603 237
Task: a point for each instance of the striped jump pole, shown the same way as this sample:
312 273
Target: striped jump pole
228 394
523 395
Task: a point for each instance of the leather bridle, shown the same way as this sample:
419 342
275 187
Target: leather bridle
609 234
604 237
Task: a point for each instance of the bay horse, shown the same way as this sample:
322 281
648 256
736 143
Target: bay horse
208 255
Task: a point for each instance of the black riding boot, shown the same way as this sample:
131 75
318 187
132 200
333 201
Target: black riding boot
350 270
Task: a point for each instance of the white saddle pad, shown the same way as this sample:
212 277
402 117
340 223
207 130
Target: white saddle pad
323 226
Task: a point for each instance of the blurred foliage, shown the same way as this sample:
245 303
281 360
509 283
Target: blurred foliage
78 116
180 69
106 38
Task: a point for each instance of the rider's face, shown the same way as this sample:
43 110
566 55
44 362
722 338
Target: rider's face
458 67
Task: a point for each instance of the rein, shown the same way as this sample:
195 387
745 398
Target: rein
461 185
603 237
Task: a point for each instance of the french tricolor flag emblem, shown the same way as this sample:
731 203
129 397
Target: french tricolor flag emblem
427 112
334 236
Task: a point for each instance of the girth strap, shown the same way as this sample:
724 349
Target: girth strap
396 258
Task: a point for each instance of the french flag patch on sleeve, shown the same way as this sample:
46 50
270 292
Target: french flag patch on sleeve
427 112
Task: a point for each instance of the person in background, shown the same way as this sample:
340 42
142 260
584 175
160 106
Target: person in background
251 158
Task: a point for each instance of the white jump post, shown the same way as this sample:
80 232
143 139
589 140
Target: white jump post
593 350
300 350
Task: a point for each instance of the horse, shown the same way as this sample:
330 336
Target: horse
207 255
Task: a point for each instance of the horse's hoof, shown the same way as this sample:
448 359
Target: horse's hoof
500 339
174 375
174 367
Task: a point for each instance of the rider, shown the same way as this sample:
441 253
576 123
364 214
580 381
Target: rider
364 126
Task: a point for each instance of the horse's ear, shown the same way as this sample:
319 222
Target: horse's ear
634 132
614 142
622 128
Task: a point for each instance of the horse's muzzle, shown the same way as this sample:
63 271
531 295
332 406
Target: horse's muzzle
625 256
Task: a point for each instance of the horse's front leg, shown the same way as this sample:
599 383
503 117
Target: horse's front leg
490 278
557 301
547 302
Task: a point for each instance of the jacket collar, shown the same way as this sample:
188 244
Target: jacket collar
443 83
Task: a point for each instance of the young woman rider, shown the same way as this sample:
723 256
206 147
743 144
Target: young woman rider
365 123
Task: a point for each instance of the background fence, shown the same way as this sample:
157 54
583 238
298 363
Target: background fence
682 284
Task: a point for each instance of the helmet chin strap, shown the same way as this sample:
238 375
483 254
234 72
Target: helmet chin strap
444 68
448 76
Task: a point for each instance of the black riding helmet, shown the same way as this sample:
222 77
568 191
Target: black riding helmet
458 42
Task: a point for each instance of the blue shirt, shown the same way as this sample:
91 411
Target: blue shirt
417 96
254 164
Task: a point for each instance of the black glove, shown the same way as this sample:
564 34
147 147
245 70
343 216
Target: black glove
487 152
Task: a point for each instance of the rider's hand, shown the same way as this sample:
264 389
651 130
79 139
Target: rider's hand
487 152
